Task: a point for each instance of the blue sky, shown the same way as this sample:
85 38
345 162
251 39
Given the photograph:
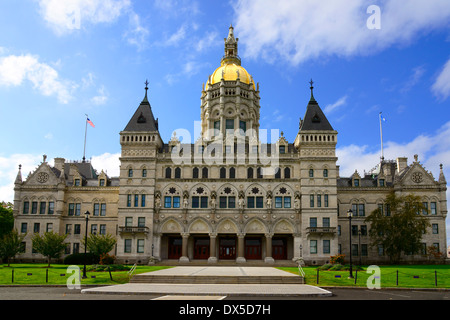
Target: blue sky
62 59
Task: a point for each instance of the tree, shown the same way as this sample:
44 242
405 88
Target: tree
6 218
100 244
398 229
50 245
10 245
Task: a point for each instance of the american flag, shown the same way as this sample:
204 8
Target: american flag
90 122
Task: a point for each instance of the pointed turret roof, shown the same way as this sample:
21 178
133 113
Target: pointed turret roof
314 118
143 119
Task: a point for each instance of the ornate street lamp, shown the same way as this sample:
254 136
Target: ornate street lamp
87 213
349 215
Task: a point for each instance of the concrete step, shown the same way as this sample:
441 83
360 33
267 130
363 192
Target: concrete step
145 278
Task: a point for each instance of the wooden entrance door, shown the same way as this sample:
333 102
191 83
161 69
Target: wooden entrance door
227 248
175 245
279 248
253 248
201 248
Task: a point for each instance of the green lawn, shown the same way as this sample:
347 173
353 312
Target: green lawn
36 274
415 276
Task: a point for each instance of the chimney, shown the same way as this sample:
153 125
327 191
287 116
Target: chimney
59 163
402 163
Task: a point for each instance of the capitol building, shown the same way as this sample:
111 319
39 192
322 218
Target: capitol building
226 196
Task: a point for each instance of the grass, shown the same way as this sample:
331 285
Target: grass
36 274
409 276
415 276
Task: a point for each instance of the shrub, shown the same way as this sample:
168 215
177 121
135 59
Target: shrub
107 259
78 258
337 259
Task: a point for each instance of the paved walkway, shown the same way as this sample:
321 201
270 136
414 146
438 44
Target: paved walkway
216 289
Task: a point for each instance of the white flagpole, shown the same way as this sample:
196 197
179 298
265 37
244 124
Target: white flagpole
85 134
381 136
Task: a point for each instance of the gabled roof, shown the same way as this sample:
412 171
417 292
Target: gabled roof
314 118
143 119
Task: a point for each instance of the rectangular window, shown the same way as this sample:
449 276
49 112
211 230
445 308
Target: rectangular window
250 202
195 202
103 229
216 128
326 222
93 229
259 202
363 229
278 202
77 209
144 173
76 248
26 207
313 246
71 209
433 208
381 182
96 209
425 208
128 221
356 183
51 207
232 202
136 200
77 229
355 251
435 228
102 183
130 173
37 228
311 201
176 202
143 200
68 229
364 250
325 199
287 202
129 200
229 124
34 206
354 230
282 149
326 246
243 126
313 222
319 200
24 227
49 227
103 209
140 245
361 209
167 202
204 202
127 246
222 202
141 222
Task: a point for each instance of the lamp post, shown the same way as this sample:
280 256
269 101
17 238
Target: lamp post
87 213
359 246
349 215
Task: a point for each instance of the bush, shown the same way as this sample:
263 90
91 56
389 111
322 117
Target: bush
337 259
112 267
107 259
78 258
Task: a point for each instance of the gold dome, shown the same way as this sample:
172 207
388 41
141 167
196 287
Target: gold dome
230 72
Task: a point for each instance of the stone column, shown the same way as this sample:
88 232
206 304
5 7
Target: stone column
212 248
269 258
240 256
184 249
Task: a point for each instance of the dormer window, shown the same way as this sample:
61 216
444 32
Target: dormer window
102 183
77 182
356 182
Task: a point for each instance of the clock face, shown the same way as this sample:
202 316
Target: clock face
42 177
417 177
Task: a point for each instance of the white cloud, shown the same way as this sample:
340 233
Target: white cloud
15 69
108 162
101 98
331 107
137 34
68 15
441 86
301 30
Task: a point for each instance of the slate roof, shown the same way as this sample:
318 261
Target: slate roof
314 118
143 119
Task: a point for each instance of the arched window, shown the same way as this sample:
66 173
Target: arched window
277 173
195 173
177 173
258 173
250 173
223 173
168 173
287 173
311 173
232 173
205 173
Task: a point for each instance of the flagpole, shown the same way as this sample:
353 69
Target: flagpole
381 137
85 134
